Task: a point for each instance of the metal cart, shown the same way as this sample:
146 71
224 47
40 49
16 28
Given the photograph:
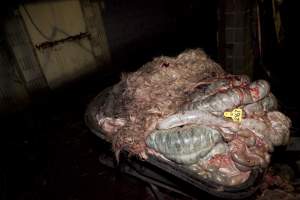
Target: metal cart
171 176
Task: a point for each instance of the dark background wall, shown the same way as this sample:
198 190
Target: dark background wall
139 30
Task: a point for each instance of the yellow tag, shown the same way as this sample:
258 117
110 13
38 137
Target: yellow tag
235 115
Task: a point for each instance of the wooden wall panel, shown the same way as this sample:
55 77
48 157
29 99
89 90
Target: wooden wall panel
55 21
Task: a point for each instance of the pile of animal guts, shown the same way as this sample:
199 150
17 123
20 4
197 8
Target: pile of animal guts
189 111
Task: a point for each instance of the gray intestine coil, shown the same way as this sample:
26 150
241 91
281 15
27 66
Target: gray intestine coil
185 145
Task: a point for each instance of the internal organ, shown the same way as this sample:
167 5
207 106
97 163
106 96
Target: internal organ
218 166
234 97
273 127
184 145
243 146
210 87
268 103
195 117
